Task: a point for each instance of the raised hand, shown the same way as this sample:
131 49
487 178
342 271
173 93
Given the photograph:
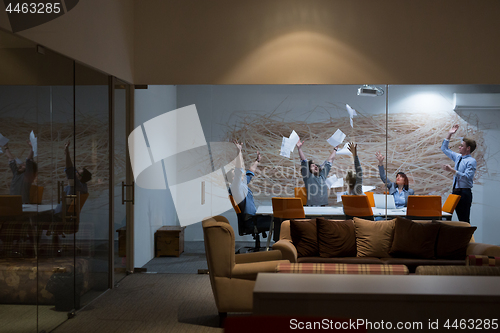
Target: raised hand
380 158
299 144
352 148
238 145
258 156
453 129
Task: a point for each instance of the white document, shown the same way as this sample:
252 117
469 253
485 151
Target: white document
336 139
339 196
352 113
34 143
344 151
333 181
288 144
3 142
367 188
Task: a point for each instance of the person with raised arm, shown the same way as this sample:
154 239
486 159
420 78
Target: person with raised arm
463 172
314 177
23 174
400 190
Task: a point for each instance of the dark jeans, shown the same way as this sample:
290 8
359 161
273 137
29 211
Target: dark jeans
463 206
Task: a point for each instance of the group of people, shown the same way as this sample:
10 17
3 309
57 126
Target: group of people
315 175
24 174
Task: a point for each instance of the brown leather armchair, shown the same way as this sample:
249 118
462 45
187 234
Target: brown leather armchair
233 276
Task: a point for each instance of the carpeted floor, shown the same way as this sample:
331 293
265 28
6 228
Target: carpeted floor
169 297
150 303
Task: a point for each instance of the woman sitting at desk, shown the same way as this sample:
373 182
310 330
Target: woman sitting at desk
400 189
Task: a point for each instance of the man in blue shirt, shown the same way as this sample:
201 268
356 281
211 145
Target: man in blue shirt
464 170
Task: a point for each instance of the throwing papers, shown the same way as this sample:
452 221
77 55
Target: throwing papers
288 144
34 143
352 113
337 138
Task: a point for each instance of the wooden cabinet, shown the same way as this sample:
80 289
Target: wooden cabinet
169 241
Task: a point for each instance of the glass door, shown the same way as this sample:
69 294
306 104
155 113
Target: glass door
122 190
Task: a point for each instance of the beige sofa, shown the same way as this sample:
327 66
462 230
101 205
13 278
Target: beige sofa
374 240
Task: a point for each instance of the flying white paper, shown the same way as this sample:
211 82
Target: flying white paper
352 113
344 151
333 181
3 142
34 143
337 138
339 196
288 144
367 188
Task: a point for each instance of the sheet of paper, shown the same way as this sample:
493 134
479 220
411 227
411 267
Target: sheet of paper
336 139
34 143
339 196
333 181
344 151
367 188
3 140
288 144
352 113
285 150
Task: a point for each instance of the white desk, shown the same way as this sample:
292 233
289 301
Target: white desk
338 212
33 208
377 297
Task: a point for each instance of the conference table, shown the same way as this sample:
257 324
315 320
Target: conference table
337 213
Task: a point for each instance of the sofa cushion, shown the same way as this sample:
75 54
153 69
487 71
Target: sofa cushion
413 239
452 241
373 238
336 238
304 237
341 260
480 260
412 264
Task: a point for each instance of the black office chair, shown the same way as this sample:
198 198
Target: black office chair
251 225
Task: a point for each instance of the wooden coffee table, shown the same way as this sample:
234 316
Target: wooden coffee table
378 297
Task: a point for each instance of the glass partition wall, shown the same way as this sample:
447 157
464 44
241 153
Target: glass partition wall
51 263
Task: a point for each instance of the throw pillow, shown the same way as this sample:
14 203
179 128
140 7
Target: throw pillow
373 238
413 239
452 241
304 237
481 260
336 238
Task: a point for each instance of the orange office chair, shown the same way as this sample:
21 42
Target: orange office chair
250 225
371 200
301 192
451 203
357 206
424 207
285 209
36 193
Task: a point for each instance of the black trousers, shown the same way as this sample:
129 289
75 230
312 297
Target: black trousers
463 206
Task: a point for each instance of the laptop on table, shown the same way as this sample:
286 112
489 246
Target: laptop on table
380 201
